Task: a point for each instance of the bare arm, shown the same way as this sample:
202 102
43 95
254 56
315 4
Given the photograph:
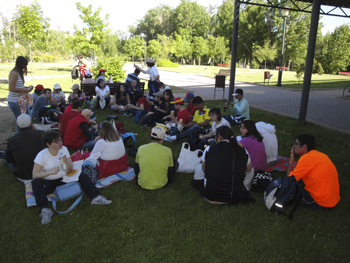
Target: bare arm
291 161
144 72
249 167
38 174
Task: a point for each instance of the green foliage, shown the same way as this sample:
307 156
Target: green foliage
90 38
265 53
225 20
319 68
300 73
157 21
255 64
134 47
199 47
167 45
154 48
182 43
167 63
112 65
192 17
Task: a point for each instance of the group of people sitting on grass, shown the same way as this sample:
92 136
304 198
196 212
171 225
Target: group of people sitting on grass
227 161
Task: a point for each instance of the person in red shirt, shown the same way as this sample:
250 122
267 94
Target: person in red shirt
315 173
182 117
77 134
190 107
67 116
142 106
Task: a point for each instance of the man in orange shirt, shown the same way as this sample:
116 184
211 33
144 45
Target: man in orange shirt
315 173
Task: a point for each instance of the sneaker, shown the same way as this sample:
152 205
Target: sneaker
129 115
100 200
46 215
126 113
172 138
166 138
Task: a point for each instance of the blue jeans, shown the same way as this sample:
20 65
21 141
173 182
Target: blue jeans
308 201
194 128
17 111
234 119
88 145
3 156
107 99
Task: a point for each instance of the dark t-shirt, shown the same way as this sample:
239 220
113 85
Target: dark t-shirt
21 151
218 173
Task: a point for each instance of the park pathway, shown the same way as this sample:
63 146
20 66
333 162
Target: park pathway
326 107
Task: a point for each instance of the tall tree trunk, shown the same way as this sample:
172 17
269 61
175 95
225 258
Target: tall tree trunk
265 63
199 60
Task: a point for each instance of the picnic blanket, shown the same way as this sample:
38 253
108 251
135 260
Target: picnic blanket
280 165
127 175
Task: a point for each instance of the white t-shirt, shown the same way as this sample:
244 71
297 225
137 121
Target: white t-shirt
103 92
57 97
49 162
222 123
109 150
152 72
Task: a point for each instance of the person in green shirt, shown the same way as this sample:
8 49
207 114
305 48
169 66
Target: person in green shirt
154 164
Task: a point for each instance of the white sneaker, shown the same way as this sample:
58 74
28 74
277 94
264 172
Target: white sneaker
166 138
100 200
172 138
46 215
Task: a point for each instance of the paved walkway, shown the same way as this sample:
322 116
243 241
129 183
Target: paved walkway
326 107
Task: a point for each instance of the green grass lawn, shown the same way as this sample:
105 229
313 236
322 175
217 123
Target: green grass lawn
174 224
289 79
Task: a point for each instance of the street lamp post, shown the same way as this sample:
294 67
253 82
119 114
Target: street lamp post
285 13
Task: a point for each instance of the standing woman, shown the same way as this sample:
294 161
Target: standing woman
102 93
253 142
16 86
153 83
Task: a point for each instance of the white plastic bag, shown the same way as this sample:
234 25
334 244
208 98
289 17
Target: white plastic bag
92 159
102 104
188 160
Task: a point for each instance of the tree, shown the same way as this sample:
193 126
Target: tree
31 24
134 47
192 17
157 21
90 38
225 20
265 53
154 48
199 48
167 45
182 44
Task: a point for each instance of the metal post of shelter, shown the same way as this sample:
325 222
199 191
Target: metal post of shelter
316 6
234 50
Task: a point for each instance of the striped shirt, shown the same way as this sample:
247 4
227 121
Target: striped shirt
13 96
130 77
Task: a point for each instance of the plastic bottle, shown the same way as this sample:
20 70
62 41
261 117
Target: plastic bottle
63 163
225 107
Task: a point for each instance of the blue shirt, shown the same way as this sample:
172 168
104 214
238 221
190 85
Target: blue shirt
241 107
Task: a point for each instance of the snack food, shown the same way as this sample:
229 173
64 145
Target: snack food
72 172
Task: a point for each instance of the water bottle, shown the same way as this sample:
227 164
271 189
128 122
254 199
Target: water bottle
225 107
63 163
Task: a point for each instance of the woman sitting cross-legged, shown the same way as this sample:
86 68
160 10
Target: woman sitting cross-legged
48 174
224 165
102 93
113 158
121 99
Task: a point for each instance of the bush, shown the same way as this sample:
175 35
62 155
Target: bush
113 66
37 58
255 64
319 68
167 63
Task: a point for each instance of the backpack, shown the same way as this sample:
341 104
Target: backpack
281 193
75 72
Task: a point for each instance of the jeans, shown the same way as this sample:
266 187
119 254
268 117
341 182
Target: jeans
308 201
88 145
42 187
194 128
17 111
3 156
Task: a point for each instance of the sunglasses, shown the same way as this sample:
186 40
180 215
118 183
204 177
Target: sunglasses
297 143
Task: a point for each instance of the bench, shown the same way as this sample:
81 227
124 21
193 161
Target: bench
283 68
89 89
344 73
223 65
225 72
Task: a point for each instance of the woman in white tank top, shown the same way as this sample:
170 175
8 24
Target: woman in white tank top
16 86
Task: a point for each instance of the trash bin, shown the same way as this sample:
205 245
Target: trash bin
266 75
220 83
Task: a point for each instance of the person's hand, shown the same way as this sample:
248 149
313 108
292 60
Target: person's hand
155 107
166 122
95 126
172 118
200 136
190 124
30 88
64 158
55 114
92 122
55 170
232 103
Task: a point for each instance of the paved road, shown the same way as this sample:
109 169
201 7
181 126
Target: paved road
326 107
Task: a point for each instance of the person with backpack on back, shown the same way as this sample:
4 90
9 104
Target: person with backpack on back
316 174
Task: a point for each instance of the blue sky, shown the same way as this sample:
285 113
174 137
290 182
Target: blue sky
64 14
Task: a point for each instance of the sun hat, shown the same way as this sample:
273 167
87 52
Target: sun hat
88 73
23 121
149 60
39 87
57 86
188 96
178 100
158 133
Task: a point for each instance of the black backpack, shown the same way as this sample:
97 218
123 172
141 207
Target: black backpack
281 193
75 72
